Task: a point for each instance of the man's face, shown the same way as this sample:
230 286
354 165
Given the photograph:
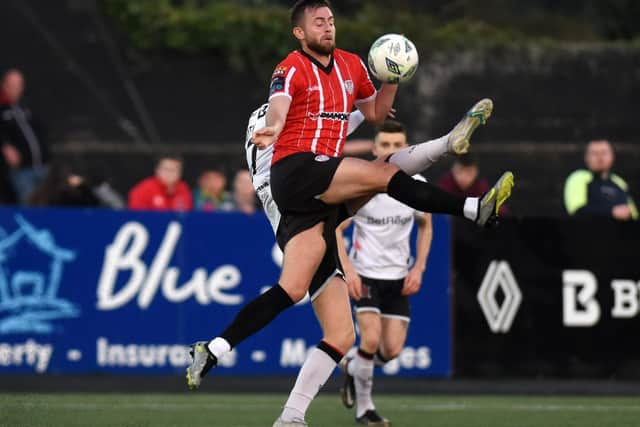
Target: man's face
318 30
464 175
169 171
599 156
213 183
13 86
387 143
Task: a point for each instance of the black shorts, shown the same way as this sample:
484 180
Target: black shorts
385 298
296 182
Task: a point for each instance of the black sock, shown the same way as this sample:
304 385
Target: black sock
333 352
380 359
424 196
256 315
365 354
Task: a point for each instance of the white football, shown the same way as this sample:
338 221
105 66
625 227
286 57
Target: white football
393 58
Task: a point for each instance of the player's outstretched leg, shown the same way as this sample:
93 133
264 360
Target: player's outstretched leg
490 203
418 157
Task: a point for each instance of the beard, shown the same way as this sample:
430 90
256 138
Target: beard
321 49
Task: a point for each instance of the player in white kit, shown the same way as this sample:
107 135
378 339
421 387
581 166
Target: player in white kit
380 279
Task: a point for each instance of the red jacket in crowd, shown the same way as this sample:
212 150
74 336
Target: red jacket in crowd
152 194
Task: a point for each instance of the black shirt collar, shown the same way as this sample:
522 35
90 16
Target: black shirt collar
326 69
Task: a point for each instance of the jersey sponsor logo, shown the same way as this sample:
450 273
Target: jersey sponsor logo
321 158
330 115
393 220
348 84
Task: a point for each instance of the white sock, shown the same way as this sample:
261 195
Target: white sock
314 373
362 371
418 157
471 208
219 347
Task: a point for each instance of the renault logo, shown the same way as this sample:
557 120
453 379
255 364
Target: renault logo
499 315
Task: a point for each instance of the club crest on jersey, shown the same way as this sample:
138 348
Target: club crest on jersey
348 84
280 71
321 158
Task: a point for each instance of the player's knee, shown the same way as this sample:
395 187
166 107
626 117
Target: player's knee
296 292
344 339
384 175
392 351
369 342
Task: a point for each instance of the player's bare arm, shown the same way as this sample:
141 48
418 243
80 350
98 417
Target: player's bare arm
413 281
354 283
376 110
275 120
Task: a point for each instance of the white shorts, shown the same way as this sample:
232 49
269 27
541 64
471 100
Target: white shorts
269 205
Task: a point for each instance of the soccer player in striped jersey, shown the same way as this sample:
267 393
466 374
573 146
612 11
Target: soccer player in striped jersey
259 161
380 279
312 93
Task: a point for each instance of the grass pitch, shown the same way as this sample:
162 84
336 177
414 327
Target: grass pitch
253 410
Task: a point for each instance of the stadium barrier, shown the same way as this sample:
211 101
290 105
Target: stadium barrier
543 298
97 291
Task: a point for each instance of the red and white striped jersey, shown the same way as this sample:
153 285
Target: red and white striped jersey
321 100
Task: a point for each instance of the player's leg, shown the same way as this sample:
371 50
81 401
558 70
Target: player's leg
302 256
393 337
360 367
418 157
357 178
331 305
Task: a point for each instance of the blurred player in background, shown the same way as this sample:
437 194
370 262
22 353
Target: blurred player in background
380 280
313 92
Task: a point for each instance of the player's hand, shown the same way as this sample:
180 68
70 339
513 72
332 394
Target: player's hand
11 155
354 284
392 113
412 282
621 212
264 137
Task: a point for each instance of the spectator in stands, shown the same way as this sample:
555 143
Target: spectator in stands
463 178
244 195
597 191
22 138
65 186
165 190
211 194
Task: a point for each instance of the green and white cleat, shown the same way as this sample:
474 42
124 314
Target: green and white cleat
490 203
296 422
459 137
201 362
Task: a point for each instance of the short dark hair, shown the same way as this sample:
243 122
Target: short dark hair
466 160
297 10
168 156
391 126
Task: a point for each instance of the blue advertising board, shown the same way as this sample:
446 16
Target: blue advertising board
97 291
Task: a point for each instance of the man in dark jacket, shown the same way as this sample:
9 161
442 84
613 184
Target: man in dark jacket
22 139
